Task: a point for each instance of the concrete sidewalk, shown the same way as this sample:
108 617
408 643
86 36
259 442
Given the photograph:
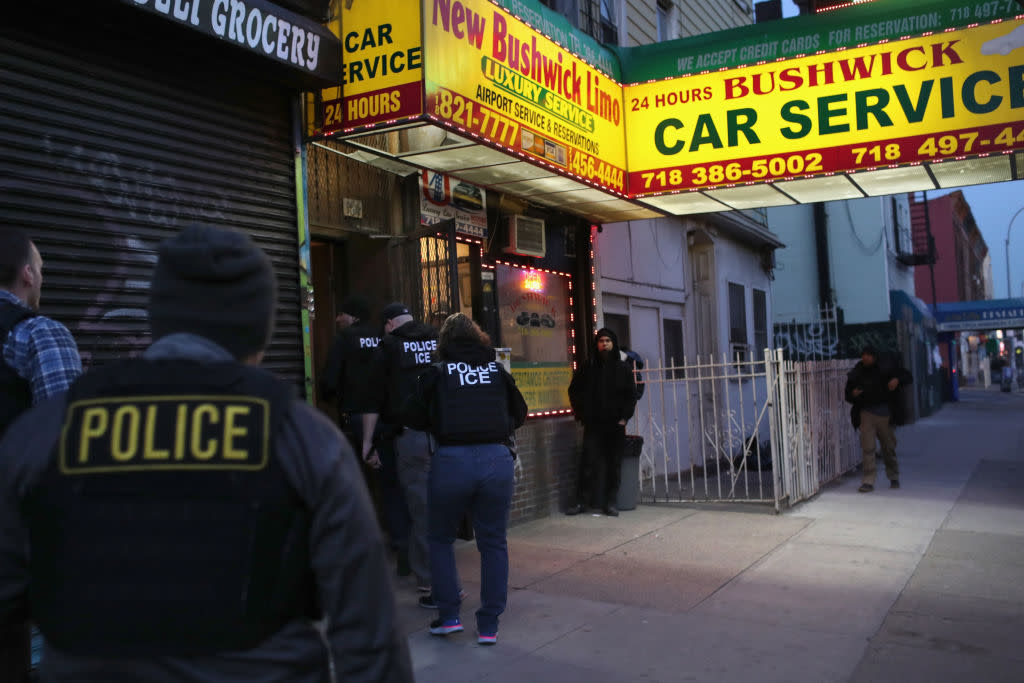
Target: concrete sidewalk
925 583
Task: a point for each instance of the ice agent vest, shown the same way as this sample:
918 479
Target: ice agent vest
164 524
15 391
472 404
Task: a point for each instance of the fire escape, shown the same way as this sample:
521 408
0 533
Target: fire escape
916 246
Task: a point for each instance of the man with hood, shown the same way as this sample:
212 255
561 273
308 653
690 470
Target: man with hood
874 391
408 347
603 396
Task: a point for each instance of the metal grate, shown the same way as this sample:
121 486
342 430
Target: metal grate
771 431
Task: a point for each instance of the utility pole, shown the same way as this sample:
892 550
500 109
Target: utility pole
1009 292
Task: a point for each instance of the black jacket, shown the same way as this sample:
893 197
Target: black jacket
476 404
401 357
873 382
602 391
361 632
347 374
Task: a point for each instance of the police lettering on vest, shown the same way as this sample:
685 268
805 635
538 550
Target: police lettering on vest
179 458
422 352
157 432
471 404
369 342
473 374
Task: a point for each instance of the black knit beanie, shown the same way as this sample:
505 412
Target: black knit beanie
356 306
217 284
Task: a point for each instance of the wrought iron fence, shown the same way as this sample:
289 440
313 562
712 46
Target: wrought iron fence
771 431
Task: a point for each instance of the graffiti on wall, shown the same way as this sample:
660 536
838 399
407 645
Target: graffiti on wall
807 341
824 340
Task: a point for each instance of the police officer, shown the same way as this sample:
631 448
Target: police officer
182 516
347 372
346 380
408 347
472 406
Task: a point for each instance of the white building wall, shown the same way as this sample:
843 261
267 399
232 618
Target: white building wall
897 214
740 265
862 258
858 255
686 18
795 289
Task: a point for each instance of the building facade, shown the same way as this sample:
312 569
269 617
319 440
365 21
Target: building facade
846 280
123 123
963 271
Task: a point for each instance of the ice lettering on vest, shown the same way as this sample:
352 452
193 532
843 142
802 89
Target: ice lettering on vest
422 351
473 374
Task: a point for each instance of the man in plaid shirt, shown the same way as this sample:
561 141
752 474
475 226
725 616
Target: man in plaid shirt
39 360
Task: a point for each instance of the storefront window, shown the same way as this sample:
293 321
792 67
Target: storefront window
535 323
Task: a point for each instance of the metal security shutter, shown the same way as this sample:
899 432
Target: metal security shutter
102 157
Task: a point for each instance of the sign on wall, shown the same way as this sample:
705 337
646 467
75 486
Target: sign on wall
381 65
533 310
258 27
491 75
943 95
444 198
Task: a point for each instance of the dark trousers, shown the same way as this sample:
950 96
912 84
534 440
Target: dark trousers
397 521
352 427
477 479
600 463
15 653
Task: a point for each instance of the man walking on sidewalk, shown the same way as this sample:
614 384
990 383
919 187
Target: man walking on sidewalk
874 392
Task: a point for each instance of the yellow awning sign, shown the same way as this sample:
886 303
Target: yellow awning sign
897 103
490 75
476 69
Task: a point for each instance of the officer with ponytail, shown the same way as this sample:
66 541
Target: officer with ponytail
471 405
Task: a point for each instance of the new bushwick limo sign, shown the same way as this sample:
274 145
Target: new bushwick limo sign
887 84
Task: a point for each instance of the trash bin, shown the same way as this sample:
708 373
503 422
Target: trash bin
629 487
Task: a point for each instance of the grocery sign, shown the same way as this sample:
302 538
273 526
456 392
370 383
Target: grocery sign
946 94
491 75
854 89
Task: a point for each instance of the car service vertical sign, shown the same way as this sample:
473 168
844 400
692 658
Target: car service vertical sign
382 65
492 76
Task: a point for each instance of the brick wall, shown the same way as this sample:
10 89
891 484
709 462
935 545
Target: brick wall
546 470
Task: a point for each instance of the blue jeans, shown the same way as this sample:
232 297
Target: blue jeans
479 480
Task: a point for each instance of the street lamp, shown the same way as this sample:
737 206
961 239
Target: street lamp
1010 225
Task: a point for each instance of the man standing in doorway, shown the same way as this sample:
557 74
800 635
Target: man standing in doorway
407 349
603 397
346 375
39 360
346 380
874 392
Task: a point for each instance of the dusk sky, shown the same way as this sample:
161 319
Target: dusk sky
993 206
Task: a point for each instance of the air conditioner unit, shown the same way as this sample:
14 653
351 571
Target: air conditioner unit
526 236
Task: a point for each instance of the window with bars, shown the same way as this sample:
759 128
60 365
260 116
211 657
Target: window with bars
760 323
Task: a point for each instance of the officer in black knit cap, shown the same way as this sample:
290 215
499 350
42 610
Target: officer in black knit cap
186 516
346 375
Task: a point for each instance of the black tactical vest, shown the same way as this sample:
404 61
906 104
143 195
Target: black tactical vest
471 405
164 524
15 391
409 358
361 341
